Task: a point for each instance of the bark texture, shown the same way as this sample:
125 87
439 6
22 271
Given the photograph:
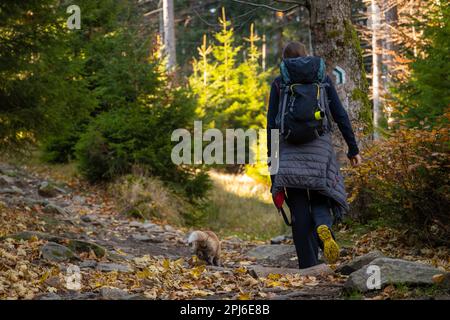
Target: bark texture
169 33
334 38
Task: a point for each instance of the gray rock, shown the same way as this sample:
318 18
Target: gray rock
149 225
234 240
55 252
392 271
136 224
279 239
87 246
169 228
49 190
141 237
54 209
318 270
75 245
49 296
88 264
91 218
30 202
156 239
8 171
359 262
108 267
271 252
6 181
87 218
12 190
114 294
147 238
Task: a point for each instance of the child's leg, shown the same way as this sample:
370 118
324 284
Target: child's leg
303 228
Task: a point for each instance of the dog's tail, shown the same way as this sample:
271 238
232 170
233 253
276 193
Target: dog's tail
197 236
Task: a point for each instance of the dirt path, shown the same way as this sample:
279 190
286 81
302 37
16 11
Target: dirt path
68 241
139 257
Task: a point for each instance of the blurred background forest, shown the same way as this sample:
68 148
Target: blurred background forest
100 103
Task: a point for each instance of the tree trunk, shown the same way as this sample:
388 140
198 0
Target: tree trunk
376 65
169 33
389 47
334 38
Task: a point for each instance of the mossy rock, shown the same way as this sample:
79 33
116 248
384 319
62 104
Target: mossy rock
73 244
85 246
53 251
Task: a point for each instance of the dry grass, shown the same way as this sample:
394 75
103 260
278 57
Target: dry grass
241 206
146 197
64 172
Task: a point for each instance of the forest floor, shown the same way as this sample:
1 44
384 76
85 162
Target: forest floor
68 240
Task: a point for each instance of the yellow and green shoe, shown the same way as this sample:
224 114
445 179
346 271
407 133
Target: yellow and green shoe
330 247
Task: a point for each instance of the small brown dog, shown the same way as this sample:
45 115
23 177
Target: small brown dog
206 245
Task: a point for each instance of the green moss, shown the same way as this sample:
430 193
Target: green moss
365 113
359 94
333 33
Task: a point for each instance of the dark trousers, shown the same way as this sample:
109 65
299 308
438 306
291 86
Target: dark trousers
307 212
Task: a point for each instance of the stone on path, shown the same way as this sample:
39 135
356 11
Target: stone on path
91 218
271 252
49 190
359 262
146 238
108 267
114 294
136 224
392 271
54 209
6 181
279 239
73 244
86 264
318 270
141 237
55 252
87 246
12 190
49 296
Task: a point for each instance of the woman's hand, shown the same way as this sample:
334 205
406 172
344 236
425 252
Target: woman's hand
356 160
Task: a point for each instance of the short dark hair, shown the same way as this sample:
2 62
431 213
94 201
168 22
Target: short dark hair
294 49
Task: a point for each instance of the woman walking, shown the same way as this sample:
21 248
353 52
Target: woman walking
308 173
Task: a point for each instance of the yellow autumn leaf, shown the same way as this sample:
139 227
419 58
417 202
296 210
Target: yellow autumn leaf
274 284
197 271
145 273
244 296
166 264
45 276
274 276
241 270
186 286
201 293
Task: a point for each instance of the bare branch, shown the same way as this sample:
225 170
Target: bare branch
260 5
204 21
152 12
299 3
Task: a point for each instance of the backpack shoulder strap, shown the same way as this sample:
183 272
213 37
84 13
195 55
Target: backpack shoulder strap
278 85
325 104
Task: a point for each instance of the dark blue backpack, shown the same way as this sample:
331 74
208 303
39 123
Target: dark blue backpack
303 113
